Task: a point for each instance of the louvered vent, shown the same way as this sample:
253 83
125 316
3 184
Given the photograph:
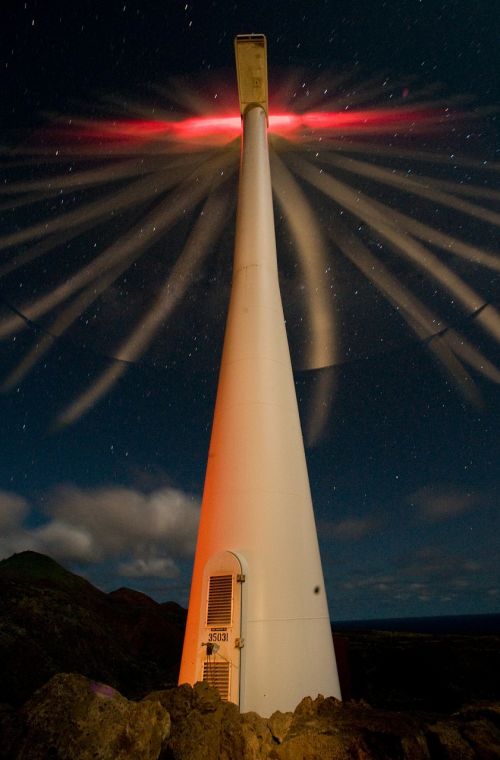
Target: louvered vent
220 597
217 675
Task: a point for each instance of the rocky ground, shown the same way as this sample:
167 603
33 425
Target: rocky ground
73 717
91 675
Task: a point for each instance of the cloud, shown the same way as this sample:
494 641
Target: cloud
63 541
378 581
441 502
432 574
157 567
142 533
350 529
440 566
13 510
119 519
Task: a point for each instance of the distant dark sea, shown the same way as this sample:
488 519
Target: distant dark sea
474 624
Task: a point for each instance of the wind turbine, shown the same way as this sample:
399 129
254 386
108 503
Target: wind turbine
258 626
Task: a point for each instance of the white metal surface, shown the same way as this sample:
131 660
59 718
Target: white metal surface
220 624
256 500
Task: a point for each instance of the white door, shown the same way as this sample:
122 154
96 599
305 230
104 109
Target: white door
220 626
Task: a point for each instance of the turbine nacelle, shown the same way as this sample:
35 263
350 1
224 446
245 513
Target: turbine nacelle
251 71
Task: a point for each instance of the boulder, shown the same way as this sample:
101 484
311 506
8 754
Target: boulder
328 728
203 727
73 717
473 732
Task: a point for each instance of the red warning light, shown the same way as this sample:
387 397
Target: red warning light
228 127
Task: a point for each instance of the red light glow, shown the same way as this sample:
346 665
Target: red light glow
226 128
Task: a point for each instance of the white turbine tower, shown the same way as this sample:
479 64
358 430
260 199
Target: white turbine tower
258 626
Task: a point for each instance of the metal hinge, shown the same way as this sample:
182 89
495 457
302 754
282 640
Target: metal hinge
240 578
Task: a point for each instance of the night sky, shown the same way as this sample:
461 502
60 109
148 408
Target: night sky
406 477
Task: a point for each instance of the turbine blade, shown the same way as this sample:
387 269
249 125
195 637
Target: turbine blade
313 260
137 239
130 196
44 246
312 257
207 228
429 234
87 399
81 179
203 236
396 151
359 205
474 358
422 187
419 318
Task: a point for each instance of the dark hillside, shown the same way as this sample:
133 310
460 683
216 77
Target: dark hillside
52 621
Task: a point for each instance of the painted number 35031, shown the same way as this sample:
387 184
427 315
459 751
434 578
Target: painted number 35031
218 637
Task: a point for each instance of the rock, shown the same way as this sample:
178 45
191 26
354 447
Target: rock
279 724
203 727
257 737
473 732
73 717
328 728
445 741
